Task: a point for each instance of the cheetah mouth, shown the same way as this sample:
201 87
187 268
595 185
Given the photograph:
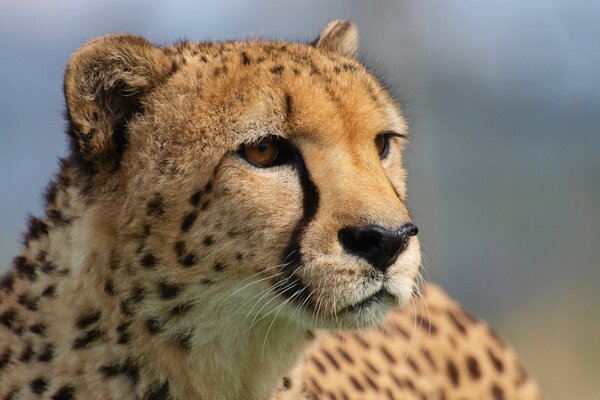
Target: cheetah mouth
380 297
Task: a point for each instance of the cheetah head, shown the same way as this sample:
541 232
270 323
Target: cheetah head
263 177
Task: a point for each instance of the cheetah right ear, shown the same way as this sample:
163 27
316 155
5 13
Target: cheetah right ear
340 36
105 84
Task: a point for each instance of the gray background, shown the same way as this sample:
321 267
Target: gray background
505 154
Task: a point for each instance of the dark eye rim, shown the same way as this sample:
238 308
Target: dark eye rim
285 151
386 145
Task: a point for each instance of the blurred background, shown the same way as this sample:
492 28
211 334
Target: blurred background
504 157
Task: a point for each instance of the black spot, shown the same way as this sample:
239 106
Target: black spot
188 260
57 217
188 221
288 106
64 393
153 326
218 267
388 355
337 69
345 355
452 373
497 392
8 317
155 207
148 261
208 240
49 291
111 370
87 339
47 353
47 267
131 370
205 205
28 302
27 353
12 393
181 309
39 385
109 287
180 248
331 359
36 228
287 383
245 59
137 294
168 290
459 325
239 256
123 336
427 325
356 384
39 328
88 319
160 393
318 364
496 362
25 268
126 307
184 341
413 365
6 282
278 69
207 281
5 357
195 198
473 367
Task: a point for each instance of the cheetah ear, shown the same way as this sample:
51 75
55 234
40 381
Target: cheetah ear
105 84
340 36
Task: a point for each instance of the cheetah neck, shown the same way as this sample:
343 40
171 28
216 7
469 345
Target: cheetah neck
106 320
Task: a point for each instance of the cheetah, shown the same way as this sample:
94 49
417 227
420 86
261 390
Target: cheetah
231 223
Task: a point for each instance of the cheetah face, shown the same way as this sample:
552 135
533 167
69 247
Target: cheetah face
267 176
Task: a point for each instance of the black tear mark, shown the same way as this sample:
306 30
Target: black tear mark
291 257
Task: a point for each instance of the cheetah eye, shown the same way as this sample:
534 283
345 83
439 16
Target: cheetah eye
382 143
268 152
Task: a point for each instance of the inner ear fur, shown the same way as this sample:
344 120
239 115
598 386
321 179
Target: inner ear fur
105 84
340 36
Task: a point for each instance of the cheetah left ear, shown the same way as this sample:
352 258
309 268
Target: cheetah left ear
340 36
106 82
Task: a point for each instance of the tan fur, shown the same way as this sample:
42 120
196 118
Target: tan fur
165 265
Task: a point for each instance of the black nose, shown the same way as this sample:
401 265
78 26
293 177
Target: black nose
378 245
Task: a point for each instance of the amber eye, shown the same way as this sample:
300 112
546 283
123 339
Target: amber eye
270 151
382 143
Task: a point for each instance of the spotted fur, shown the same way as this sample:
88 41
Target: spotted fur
168 267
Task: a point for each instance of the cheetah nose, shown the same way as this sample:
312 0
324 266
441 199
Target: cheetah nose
378 245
